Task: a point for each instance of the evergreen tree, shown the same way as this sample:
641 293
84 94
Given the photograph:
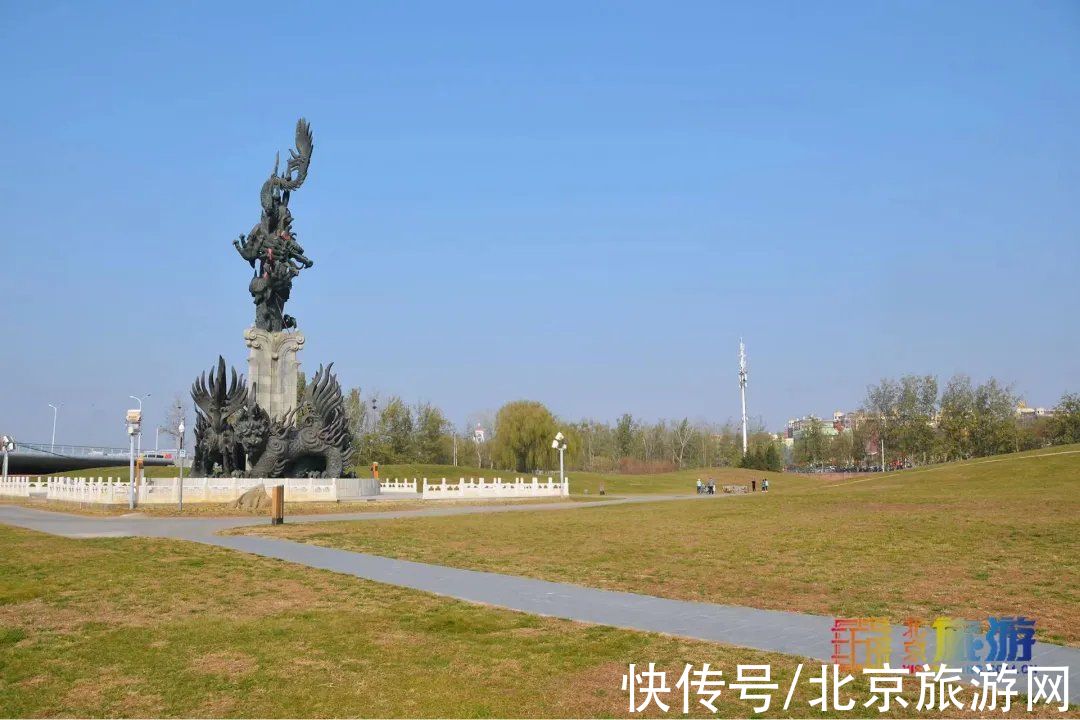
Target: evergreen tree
773 460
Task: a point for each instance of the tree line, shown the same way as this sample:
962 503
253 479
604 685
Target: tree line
518 437
919 422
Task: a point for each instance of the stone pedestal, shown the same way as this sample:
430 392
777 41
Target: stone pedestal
272 369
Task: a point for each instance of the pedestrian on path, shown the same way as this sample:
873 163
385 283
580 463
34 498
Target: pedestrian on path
764 484
699 486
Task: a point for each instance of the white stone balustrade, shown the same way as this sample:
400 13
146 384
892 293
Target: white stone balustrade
495 488
196 490
87 489
114 490
397 487
21 486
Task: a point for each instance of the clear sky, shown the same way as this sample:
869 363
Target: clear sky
580 203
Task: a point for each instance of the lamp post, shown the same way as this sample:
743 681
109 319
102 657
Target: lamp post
180 453
134 425
559 443
7 444
138 430
55 410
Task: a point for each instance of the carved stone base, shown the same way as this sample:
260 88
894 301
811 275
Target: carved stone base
272 369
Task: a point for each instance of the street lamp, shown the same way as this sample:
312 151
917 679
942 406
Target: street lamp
138 432
134 427
55 410
7 444
180 454
559 443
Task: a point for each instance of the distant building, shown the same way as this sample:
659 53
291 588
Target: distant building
479 434
1027 414
797 427
849 421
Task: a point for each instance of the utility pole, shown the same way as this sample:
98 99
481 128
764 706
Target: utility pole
742 390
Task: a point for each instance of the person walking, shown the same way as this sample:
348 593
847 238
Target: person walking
699 486
764 484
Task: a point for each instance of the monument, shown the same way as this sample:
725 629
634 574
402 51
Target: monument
276 258
259 427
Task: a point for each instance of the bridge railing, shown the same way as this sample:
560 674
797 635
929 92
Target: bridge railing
86 451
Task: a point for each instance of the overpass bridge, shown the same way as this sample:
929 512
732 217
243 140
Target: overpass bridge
45 458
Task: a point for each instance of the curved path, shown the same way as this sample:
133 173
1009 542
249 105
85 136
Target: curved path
769 630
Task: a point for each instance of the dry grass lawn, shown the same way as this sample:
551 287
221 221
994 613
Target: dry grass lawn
156 628
992 537
297 508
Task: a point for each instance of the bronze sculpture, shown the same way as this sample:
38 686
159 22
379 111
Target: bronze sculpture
235 434
312 441
216 402
271 246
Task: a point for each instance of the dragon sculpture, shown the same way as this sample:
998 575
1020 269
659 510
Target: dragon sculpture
216 403
311 441
271 247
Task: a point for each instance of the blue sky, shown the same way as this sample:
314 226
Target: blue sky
581 203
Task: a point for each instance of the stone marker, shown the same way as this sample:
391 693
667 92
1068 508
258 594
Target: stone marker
253 500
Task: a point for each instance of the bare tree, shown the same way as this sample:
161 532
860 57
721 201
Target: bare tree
486 420
705 432
680 436
177 412
643 433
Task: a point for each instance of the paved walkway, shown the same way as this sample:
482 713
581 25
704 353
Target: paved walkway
770 630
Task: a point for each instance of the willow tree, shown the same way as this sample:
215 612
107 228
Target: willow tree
524 430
